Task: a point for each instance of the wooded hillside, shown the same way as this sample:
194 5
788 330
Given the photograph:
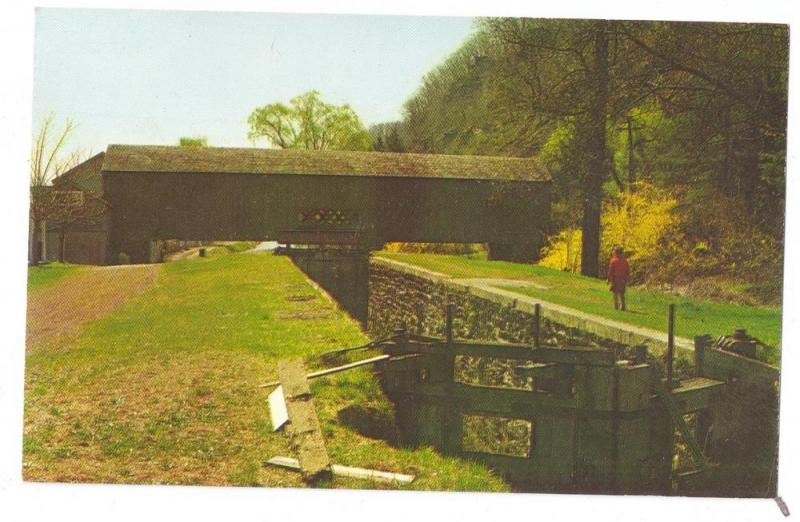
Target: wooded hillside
681 123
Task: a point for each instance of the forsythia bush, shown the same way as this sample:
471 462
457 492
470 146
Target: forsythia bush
434 248
563 251
641 221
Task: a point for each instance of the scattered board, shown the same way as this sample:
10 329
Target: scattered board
277 409
347 471
303 426
337 369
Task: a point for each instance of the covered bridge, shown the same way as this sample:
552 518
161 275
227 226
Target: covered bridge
337 198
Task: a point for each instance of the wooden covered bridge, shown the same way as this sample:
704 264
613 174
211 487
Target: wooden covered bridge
338 198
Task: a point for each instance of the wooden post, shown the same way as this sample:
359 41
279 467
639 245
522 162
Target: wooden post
448 325
670 344
641 354
699 354
537 323
452 429
704 418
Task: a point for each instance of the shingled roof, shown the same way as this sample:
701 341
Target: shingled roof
145 158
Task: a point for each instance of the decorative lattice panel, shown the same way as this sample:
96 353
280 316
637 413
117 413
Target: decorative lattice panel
327 216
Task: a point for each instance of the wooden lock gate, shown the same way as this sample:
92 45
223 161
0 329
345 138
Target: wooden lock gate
595 424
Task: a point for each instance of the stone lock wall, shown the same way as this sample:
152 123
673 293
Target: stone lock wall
416 299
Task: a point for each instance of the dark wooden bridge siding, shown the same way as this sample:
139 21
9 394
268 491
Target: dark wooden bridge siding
219 206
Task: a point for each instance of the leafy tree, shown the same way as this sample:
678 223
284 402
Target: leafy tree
388 137
696 108
574 72
193 141
307 122
725 85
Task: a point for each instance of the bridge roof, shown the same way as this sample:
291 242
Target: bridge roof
146 158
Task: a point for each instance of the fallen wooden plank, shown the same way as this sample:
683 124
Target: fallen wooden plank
347 471
277 408
336 369
292 376
303 426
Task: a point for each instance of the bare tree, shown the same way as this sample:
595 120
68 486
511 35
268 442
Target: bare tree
47 163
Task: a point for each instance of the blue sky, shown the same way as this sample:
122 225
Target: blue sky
150 77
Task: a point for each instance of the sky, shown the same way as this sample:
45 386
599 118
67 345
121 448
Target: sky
150 77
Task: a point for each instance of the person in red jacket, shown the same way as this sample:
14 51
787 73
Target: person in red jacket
618 277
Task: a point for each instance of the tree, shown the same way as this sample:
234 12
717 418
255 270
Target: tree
309 123
580 75
65 209
725 86
698 107
193 141
47 163
388 137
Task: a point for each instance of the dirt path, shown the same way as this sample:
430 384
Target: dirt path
190 253
58 311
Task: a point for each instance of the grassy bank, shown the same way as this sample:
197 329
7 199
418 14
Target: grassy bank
165 389
45 275
645 307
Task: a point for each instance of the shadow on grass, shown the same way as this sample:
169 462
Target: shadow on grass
370 422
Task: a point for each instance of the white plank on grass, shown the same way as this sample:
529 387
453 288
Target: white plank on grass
347 471
277 409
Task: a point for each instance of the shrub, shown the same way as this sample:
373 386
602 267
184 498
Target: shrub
563 251
123 259
706 244
434 248
642 222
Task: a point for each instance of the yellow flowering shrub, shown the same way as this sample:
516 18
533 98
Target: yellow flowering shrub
641 221
563 251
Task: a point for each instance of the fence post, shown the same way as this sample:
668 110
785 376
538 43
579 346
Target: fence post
704 417
670 344
448 325
640 353
699 354
451 412
537 323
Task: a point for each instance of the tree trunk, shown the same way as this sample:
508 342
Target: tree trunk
596 154
62 243
631 165
43 239
33 241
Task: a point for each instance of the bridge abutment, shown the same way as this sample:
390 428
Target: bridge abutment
343 273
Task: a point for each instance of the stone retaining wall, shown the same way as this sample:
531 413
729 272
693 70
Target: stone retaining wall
403 295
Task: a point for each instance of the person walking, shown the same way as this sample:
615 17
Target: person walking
618 277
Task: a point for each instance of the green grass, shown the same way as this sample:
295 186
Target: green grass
165 389
241 246
645 307
45 275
